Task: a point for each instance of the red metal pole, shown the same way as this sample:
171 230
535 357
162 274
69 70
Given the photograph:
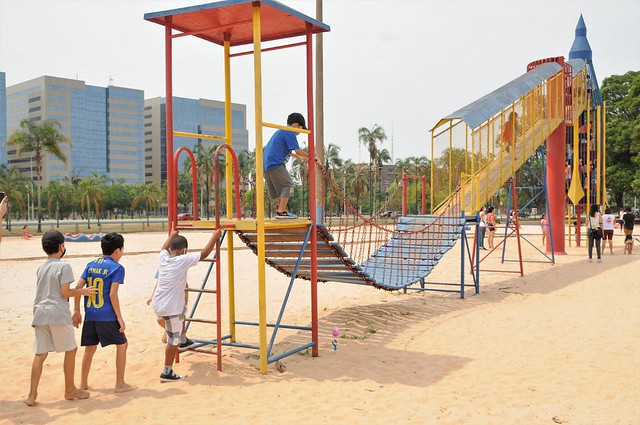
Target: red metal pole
555 187
171 184
405 183
312 197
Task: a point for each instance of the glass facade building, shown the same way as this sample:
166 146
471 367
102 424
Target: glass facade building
3 119
196 116
102 124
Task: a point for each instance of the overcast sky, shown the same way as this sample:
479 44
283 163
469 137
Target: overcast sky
401 64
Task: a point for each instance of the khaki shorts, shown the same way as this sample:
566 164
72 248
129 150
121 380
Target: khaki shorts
58 338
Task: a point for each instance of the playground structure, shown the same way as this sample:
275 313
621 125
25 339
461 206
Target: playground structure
349 247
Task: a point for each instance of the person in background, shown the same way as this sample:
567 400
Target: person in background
482 217
3 210
608 224
25 232
545 228
594 222
491 225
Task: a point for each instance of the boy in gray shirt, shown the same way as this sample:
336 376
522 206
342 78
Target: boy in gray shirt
52 318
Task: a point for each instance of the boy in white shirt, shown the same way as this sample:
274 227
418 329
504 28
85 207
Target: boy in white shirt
168 300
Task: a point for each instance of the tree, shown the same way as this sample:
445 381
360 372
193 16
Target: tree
58 193
38 140
622 94
92 191
371 138
149 193
15 186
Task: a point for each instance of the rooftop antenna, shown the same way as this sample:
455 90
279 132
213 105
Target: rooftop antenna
110 80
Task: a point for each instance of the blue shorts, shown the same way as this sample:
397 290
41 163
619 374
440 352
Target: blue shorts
105 333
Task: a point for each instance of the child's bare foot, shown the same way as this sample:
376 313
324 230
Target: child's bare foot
124 388
84 386
76 394
31 400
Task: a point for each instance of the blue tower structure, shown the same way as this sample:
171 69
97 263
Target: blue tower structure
580 49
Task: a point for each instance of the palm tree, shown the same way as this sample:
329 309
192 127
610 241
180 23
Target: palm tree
332 162
56 192
247 165
370 139
38 140
148 192
15 186
92 190
204 164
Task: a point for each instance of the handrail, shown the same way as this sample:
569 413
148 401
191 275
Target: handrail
236 180
194 180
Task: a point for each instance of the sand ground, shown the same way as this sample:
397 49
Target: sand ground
559 345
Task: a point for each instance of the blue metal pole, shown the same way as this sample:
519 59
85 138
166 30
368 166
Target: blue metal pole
463 239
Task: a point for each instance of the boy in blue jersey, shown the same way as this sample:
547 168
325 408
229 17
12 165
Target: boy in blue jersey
283 144
103 320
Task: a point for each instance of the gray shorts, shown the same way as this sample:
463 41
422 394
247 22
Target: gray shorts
279 182
58 338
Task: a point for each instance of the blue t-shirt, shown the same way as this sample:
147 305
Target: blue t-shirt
277 151
102 273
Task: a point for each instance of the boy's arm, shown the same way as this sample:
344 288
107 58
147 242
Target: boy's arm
115 303
211 244
167 243
76 318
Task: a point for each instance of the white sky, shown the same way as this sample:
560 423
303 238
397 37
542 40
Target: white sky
401 64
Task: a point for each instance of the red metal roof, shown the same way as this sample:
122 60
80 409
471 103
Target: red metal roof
234 17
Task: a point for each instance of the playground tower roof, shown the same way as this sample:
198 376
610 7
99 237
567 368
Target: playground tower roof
233 19
488 106
580 49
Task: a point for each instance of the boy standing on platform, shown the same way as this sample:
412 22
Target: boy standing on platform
103 320
168 299
52 319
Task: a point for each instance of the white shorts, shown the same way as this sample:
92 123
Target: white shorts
58 338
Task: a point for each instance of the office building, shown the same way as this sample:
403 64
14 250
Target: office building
103 125
3 119
197 116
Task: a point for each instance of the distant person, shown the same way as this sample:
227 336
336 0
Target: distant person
491 225
628 218
52 318
567 176
283 144
168 299
594 231
510 131
103 322
482 217
545 228
628 244
25 232
3 210
608 225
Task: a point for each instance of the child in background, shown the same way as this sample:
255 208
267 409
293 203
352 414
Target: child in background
628 244
25 232
52 318
545 228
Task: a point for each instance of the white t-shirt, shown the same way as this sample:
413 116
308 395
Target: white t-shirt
608 221
49 307
168 300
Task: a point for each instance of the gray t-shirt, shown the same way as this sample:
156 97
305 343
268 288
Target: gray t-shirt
49 308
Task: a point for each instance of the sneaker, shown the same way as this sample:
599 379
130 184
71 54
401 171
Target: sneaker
187 343
285 214
591 260
599 260
170 377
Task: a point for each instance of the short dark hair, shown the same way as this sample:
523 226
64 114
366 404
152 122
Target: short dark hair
51 248
607 210
178 242
110 242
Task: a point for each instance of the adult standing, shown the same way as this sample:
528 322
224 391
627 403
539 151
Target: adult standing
283 144
608 225
594 223
628 218
491 225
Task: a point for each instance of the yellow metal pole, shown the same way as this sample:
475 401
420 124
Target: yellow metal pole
604 154
598 154
432 187
262 290
588 160
229 172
